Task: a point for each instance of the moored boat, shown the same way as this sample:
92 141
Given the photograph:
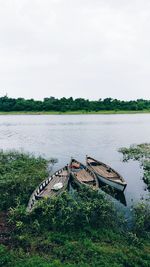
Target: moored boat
50 187
106 174
81 174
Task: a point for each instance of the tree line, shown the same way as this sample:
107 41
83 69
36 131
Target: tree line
69 104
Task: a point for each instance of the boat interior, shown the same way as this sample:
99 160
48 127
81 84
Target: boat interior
57 178
82 173
103 170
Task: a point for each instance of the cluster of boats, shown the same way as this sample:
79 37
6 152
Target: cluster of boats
89 175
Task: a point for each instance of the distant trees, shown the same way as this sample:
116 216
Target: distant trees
69 104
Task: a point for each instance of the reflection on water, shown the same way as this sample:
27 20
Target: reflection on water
99 136
108 192
118 195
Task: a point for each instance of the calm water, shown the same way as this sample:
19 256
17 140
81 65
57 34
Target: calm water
77 135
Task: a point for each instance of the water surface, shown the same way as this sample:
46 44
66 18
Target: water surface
63 136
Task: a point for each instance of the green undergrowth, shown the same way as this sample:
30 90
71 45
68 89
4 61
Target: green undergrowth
20 173
78 229
142 154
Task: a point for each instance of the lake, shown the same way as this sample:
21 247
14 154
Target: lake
63 136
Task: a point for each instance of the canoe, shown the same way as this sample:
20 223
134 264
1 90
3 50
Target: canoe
54 185
81 174
106 174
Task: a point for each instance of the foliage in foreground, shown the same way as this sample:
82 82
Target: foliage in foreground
97 250
81 229
82 210
142 219
20 173
141 153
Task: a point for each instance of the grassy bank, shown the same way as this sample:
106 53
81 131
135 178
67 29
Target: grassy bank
83 229
78 112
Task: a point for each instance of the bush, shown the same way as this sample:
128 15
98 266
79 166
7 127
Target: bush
5 256
20 173
84 209
142 219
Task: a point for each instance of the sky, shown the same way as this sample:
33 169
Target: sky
81 48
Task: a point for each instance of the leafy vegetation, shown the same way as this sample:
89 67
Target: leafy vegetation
71 105
142 219
19 175
141 153
78 229
84 209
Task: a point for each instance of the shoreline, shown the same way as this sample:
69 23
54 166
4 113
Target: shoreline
103 112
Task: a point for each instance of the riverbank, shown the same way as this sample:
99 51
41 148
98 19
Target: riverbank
79 230
78 112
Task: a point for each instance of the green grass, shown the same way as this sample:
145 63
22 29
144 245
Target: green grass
80 112
70 250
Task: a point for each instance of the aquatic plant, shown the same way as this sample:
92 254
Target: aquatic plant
141 153
136 152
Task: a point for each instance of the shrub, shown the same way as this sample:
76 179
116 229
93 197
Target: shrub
142 219
20 173
5 257
84 209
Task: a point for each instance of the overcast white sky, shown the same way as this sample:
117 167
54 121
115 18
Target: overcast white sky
81 48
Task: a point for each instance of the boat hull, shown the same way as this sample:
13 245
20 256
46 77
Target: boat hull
118 186
119 183
79 184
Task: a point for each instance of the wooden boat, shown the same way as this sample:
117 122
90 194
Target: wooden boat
81 174
50 187
106 174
